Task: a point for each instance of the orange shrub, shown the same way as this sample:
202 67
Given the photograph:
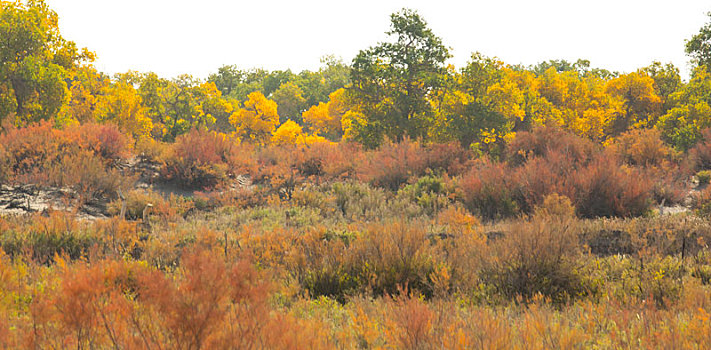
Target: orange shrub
450 157
604 188
104 140
489 191
642 147
31 150
543 140
394 163
42 155
199 159
699 157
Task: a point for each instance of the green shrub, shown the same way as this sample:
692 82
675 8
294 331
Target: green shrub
538 257
704 177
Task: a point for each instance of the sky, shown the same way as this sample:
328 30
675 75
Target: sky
173 37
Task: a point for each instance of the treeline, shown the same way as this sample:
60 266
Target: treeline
395 89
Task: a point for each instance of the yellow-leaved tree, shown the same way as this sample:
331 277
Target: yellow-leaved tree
257 120
325 118
291 133
122 106
641 105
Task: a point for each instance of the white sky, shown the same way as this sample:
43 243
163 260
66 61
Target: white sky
172 37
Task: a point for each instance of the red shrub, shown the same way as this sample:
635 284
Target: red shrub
199 159
604 188
105 140
394 163
542 176
32 149
642 147
488 190
333 161
699 157
543 140
450 157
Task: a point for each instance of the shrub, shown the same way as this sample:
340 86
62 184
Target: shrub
488 191
393 256
199 159
701 202
104 140
85 173
31 150
699 157
642 147
670 184
541 176
429 192
451 158
539 257
605 189
44 238
358 201
704 177
543 140
393 164
76 157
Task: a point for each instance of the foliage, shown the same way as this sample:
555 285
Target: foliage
257 120
698 47
391 81
36 62
199 159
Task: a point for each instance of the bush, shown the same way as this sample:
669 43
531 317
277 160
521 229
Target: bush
76 157
104 140
451 158
544 140
704 177
358 201
394 163
605 189
199 159
85 173
44 238
429 192
701 202
539 257
642 147
393 256
699 157
487 190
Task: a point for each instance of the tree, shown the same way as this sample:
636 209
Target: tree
122 106
316 86
183 103
699 46
257 120
326 118
681 126
34 62
666 81
289 98
391 82
474 109
641 106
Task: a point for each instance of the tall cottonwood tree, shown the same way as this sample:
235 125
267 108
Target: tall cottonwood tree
35 62
391 82
699 46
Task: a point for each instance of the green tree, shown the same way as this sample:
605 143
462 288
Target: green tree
699 46
666 81
391 82
681 126
35 62
289 97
